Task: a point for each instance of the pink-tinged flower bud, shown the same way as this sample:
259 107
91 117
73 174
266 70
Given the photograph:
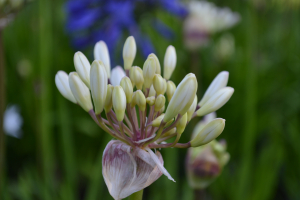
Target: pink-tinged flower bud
126 170
205 163
117 73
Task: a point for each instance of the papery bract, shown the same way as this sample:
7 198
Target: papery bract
126 170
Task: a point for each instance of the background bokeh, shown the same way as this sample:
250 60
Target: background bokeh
59 153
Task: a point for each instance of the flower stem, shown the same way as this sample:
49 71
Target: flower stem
199 194
2 108
136 196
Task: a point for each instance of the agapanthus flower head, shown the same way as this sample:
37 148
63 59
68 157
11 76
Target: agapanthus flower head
89 21
205 163
139 116
205 19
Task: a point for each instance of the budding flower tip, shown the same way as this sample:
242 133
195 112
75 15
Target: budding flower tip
129 52
62 84
209 132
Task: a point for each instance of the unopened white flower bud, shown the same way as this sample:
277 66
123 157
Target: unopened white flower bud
150 100
152 92
159 102
98 85
62 84
80 91
117 73
170 132
163 110
181 124
133 101
169 62
83 67
182 98
140 100
159 84
149 69
209 132
127 87
156 122
216 101
158 68
192 109
101 53
136 77
218 83
119 102
171 87
108 100
129 51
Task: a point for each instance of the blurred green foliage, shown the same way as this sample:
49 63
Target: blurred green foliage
59 155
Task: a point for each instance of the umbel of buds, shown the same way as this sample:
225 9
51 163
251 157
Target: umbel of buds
205 163
142 109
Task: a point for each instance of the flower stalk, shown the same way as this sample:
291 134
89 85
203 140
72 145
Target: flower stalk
137 195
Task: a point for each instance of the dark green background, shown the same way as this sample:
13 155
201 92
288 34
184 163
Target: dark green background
59 155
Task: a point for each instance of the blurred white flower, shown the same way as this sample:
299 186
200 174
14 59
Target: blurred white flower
205 19
13 121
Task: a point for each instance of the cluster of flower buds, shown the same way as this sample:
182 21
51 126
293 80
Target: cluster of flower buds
205 163
137 112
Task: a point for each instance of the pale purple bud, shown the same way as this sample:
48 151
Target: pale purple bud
126 170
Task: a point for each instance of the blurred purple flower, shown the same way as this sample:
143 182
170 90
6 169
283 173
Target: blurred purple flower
89 21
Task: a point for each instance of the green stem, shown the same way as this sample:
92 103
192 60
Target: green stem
44 107
199 194
136 196
67 148
2 108
196 68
